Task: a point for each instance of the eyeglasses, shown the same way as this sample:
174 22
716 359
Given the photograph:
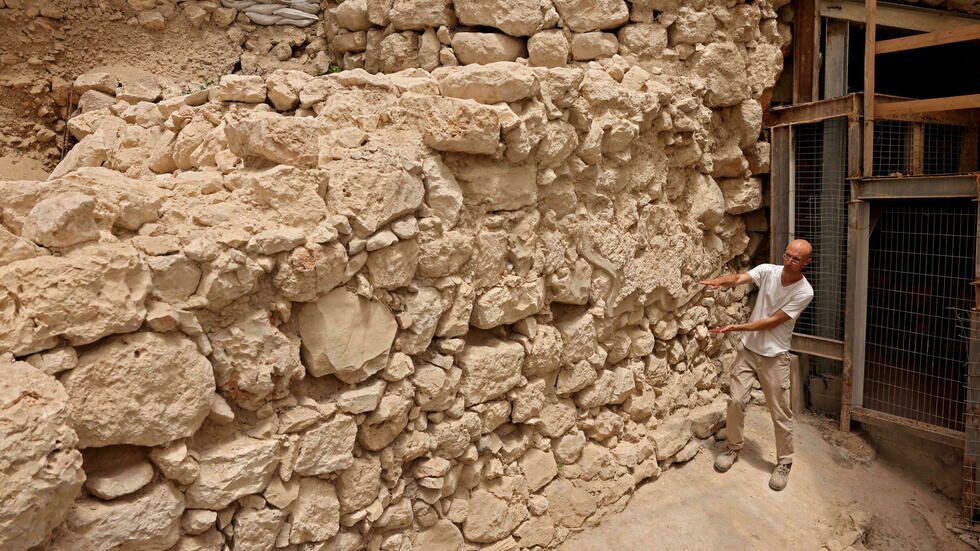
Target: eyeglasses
794 259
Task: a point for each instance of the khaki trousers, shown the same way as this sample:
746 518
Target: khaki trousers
774 377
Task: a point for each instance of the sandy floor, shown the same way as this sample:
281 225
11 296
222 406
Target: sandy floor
693 507
21 168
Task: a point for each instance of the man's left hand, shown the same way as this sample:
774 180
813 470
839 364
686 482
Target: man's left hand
723 329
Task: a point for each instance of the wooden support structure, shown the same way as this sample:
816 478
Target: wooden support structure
925 40
870 10
960 186
818 346
780 183
928 431
917 150
971 417
915 106
897 16
806 51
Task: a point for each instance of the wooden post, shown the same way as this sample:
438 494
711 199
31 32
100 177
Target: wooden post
971 419
780 183
806 51
917 149
835 58
968 152
870 11
855 324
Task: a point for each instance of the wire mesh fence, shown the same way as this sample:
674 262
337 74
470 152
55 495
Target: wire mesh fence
891 146
920 268
969 329
821 193
942 146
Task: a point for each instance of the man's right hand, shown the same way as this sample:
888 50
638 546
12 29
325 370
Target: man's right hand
714 283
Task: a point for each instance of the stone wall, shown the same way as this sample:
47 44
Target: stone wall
446 309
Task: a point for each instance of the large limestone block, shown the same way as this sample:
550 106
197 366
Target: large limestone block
308 272
723 66
256 529
443 535
514 17
394 266
82 297
706 420
741 194
231 466
707 201
353 15
490 367
62 220
143 388
582 16
253 361
692 26
148 520
376 191
503 305
40 470
492 83
672 436
14 248
359 484
327 447
486 48
315 513
548 49
418 15
594 45
490 518
539 467
494 185
275 138
445 254
450 124
284 86
570 502
242 88
346 334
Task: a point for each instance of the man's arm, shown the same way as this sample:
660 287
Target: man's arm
757 325
728 280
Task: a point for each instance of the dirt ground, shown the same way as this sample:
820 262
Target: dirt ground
694 507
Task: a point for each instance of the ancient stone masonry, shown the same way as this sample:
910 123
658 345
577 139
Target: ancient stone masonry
453 308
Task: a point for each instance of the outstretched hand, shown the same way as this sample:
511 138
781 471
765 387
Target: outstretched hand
713 283
723 329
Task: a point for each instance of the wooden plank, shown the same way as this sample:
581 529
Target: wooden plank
818 346
917 150
898 16
814 111
857 214
952 103
926 40
870 10
953 438
853 148
806 35
835 45
971 418
968 150
779 193
917 187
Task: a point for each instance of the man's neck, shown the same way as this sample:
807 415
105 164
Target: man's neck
788 278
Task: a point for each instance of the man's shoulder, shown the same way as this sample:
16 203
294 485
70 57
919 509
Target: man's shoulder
806 288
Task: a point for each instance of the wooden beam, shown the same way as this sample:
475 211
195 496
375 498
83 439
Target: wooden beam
911 107
806 51
925 40
817 346
968 150
953 438
835 46
814 111
781 174
870 11
855 307
898 16
917 187
917 150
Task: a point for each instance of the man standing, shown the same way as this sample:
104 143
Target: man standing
783 294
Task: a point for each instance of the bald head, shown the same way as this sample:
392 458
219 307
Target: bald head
800 248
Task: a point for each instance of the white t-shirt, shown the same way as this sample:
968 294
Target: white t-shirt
773 296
